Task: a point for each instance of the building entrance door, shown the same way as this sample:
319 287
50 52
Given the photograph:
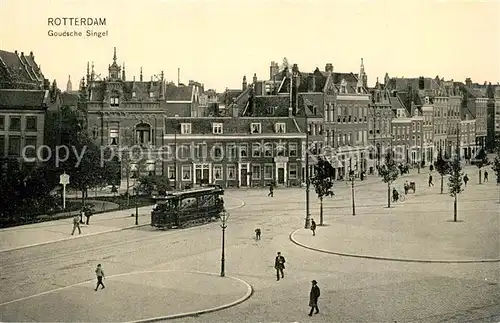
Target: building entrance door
244 174
281 175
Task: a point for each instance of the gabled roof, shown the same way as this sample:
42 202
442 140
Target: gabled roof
20 69
26 99
228 96
279 103
309 100
69 99
179 93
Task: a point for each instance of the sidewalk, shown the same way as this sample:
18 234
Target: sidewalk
58 230
139 296
418 229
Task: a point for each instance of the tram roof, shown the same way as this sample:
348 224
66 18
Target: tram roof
189 191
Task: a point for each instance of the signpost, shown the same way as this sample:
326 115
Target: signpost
64 180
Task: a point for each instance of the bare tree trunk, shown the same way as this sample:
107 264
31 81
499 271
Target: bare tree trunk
455 209
321 210
479 175
127 192
442 184
388 195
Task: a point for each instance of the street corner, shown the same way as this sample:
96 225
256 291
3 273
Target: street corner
133 297
232 202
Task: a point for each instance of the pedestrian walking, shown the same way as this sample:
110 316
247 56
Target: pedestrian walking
313 227
485 176
271 190
88 214
76 224
257 234
279 265
100 276
313 298
466 179
430 181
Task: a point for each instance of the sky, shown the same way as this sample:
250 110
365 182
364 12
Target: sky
217 42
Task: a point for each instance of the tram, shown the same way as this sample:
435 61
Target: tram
176 209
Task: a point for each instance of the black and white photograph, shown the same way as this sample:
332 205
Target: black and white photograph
207 161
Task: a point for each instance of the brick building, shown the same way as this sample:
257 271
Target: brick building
475 102
401 139
123 113
234 151
467 138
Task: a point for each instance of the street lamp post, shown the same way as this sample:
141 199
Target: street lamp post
223 224
136 208
308 216
352 193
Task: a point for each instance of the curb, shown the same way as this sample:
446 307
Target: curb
75 237
248 294
242 204
240 300
428 261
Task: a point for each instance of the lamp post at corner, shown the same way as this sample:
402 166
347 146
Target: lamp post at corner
136 207
223 224
351 174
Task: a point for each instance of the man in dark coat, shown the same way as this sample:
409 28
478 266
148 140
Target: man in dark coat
313 227
313 298
279 265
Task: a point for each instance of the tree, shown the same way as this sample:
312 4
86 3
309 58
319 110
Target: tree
154 183
455 183
443 167
389 173
322 182
496 167
480 161
74 152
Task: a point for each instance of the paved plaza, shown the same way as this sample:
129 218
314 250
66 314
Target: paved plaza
156 273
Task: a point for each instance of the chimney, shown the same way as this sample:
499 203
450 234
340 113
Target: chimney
329 67
15 52
140 76
244 83
22 54
273 69
31 54
295 68
254 78
311 83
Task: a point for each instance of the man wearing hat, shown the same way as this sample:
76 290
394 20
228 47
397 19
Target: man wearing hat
279 265
313 298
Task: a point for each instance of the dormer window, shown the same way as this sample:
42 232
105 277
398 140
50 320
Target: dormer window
280 127
114 101
217 128
134 94
255 128
185 128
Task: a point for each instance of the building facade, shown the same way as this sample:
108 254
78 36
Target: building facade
234 151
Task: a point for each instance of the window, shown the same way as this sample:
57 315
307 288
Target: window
2 145
2 123
280 127
255 128
292 171
255 171
150 167
134 170
243 150
113 136
232 151
15 124
14 146
217 172
268 150
184 151
31 123
133 94
418 127
114 101
171 172
151 95
217 128
231 172
217 149
292 150
280 150
186 172
268 171
31 151
185 128
256 150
